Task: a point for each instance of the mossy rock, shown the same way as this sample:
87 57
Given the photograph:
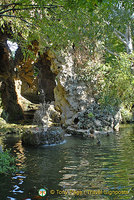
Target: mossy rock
36 137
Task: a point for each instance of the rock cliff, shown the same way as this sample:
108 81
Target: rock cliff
74 100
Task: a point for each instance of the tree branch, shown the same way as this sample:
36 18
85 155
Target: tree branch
7 5
123 35
111 52
118 33
18 18
10 4
29 7
120 37
11 9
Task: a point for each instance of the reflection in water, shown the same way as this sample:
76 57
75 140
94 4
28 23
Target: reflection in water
74 170
19 151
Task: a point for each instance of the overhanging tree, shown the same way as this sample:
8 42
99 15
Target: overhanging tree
118 25
57 22
50 22
60 23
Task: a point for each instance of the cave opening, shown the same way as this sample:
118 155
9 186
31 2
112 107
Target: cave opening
46 78
76 120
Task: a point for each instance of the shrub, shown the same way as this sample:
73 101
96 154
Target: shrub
119 82
126 115
7 163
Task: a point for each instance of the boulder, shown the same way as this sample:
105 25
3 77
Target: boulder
47 116
39 136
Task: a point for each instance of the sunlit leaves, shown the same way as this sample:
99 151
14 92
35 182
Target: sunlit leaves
119 82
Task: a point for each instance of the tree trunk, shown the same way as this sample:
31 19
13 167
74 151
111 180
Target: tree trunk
129 42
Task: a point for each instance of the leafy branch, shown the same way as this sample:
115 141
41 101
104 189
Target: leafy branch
25 7
18 18
111 52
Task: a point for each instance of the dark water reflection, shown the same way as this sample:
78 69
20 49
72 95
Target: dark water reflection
92 171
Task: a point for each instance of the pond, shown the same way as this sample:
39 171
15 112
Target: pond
76 169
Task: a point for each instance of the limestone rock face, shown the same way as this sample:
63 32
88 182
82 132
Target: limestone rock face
71 94
25 73
23 102
74 105
75 100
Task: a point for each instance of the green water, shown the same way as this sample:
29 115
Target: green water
77 169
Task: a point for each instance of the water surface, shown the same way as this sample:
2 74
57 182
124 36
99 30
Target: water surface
77 169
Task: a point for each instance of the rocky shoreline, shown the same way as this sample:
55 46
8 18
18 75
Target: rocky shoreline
48 129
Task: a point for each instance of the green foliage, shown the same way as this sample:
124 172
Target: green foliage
98 25
76 4
115 17
52 23
7 163
90 115
62 22
126 114
36 71
119 82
